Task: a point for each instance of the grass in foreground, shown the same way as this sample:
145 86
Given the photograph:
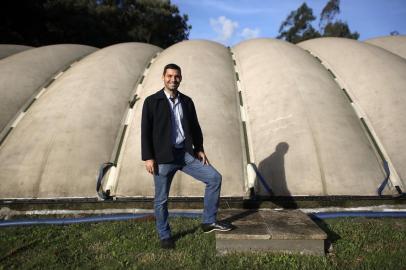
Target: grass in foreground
358 243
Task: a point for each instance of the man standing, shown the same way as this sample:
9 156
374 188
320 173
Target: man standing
171 140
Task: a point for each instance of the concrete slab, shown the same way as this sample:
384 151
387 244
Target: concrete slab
305 247
286 231
292 224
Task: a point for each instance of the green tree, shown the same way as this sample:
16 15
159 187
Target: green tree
297 27
155 22
329 12
339 29
20 21
92 22
330 26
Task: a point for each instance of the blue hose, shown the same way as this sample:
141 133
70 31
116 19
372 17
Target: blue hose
386 180
119 217
370 214
104 218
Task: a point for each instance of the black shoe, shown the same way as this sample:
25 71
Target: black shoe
216 226
167 243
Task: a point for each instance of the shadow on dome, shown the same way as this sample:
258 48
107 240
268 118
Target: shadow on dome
273 186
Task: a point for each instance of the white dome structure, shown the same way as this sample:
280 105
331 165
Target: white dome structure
10 49
23 74
305 136
393 44
375 79
320 118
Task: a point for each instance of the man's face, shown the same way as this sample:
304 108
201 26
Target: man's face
172 79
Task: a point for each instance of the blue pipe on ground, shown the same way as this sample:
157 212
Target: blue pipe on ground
120 217
104 218
370 214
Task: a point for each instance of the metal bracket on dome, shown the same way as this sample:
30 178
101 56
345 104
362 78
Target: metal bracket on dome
253 174
386 180
104 168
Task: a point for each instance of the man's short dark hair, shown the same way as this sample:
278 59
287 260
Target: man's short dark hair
172 66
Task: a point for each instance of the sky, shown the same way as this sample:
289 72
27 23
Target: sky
232 21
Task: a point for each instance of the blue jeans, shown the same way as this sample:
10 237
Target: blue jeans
195 168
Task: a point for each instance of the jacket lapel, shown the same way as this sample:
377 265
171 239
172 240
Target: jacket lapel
184 110
160 95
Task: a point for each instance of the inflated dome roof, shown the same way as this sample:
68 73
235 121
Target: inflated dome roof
393 44
10 49
321 118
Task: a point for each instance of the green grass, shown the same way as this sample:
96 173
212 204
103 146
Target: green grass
358 243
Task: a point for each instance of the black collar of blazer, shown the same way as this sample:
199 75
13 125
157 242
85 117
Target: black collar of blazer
161 95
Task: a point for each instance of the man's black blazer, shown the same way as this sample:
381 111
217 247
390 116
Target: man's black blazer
156 126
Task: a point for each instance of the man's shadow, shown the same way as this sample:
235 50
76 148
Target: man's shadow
271 179
181 234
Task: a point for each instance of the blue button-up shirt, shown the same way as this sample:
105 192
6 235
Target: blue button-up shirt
178 136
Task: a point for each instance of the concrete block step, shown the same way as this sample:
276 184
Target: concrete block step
286 231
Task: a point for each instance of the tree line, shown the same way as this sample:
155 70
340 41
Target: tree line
298 26
101 23
97 23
